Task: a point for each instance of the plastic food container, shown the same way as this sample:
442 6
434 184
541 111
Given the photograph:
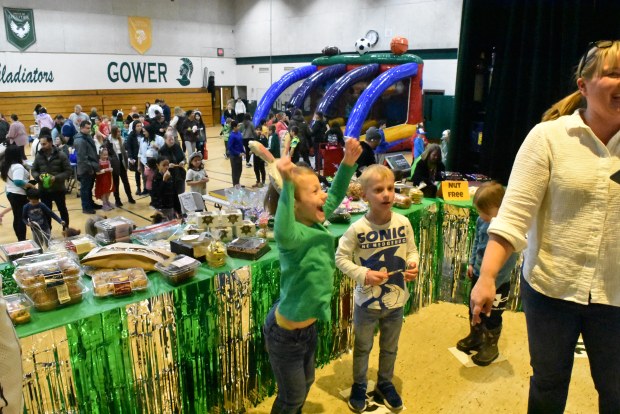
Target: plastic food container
18 306
14 251
80 245
50 269
114 229
48 297
180 269
119 282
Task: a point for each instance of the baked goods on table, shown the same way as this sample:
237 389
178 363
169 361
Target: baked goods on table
178 269
249 248
402 201
416 195
18 305
114 229
119 282
13 251
126 256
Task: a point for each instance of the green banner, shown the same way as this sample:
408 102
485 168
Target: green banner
19 25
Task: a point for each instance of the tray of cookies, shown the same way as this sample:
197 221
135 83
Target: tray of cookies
18 305
119 282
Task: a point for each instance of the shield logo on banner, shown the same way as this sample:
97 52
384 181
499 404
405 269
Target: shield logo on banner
140 33
19 25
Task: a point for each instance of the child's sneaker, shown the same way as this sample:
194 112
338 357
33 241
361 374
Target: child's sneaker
357 399
388 394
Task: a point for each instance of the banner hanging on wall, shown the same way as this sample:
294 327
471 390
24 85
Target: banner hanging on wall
140 34
19 26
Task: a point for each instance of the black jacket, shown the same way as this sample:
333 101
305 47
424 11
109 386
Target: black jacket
422 174
132 145
57 165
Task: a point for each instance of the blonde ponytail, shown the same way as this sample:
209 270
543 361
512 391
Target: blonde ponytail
565 106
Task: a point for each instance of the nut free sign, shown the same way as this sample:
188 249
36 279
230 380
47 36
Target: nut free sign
137 72
455 190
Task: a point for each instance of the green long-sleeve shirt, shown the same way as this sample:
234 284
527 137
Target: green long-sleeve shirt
307 258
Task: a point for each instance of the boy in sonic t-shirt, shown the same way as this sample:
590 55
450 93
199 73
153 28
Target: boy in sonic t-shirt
378 251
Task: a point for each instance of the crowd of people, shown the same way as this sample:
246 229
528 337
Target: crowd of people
101 151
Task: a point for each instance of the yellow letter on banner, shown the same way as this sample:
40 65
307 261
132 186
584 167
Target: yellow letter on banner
455 190
140 33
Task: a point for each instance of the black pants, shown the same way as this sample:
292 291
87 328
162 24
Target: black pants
58 197
318 160
248 153
121 175
138 180
18 201
259 170
499 306
237 166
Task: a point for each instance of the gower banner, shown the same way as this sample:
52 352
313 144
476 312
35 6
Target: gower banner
19 26
140 34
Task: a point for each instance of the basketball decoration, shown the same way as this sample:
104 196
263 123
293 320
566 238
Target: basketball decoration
399 45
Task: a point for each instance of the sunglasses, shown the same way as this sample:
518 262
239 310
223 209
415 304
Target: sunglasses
599 44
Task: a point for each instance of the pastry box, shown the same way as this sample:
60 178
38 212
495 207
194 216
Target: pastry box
18 305
14 251
249 248
114 229
179 269
119 282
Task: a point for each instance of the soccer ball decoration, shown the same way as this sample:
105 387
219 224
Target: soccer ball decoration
362 46
399 45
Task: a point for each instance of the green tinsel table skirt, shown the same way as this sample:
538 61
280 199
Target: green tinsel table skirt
198 347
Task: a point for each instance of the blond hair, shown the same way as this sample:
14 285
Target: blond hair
489 195
273 196
375 170
592 66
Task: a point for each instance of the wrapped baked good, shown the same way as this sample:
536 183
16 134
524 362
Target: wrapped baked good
126 256
14 251
114 229
47 269
162 231
119 282
416 195
402 201
216 251
340 215
46 298
178 269
18 305
249 248
80 245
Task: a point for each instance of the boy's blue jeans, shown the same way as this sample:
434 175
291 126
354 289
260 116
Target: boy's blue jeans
364 322
291 354
553 327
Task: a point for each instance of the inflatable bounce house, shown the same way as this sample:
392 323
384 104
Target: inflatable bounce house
358 90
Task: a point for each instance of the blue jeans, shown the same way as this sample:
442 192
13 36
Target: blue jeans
291 354
553 327
364 323
86 191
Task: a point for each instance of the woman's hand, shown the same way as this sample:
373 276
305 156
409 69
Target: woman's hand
352 151
482 297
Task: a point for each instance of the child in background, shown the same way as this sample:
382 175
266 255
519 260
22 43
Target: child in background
37 214
259 164
307 269
235 152
291 146
163 194
483 337
225 133
381 266
104 185
274 142
197 177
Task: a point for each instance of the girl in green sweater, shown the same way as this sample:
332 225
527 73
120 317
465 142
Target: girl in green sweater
307 267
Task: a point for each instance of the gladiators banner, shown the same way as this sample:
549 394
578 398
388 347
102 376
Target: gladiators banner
140 33
19 25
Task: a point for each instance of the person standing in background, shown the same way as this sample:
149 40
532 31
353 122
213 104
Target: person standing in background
17 134
240 110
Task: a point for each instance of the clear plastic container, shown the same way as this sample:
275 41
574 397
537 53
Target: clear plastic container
46 297
81 245
18 306
115 229
14 251
180 269
49 269
119 282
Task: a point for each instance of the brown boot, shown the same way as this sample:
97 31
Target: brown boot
473 341
488 351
